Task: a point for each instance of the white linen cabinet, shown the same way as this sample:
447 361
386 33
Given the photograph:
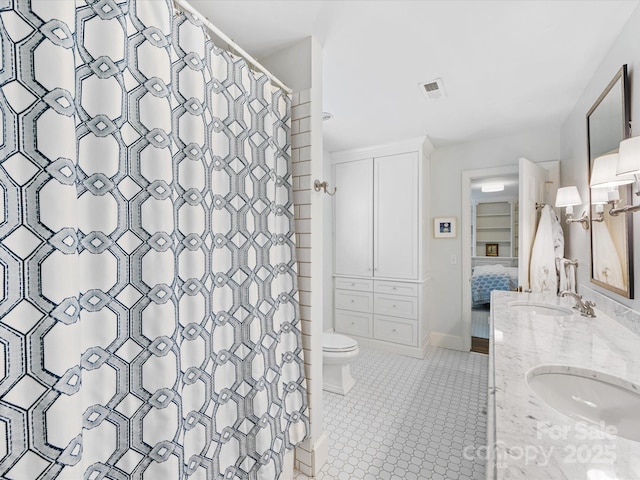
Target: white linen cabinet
381 222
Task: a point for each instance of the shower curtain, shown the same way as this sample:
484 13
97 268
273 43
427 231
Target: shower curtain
149 324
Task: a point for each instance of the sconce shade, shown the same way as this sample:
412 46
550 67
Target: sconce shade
603 173
599 196
568 197
629 157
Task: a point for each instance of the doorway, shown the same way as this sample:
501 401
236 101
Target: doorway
489 226
537 184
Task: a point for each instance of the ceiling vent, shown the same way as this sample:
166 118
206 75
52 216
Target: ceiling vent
433 90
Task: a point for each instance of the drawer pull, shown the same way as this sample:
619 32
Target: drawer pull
395 288
352 300
353 323
353 284
394 330
394 306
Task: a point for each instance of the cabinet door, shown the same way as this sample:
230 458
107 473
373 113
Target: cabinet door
396 216
353 218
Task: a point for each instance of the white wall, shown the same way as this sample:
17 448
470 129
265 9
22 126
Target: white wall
447 165
294 65
574 169
327 247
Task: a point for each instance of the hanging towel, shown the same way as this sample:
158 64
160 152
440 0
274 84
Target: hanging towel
567 275
547 246
606 261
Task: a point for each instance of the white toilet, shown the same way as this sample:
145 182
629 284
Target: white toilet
337 352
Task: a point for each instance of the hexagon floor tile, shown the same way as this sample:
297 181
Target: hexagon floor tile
408 419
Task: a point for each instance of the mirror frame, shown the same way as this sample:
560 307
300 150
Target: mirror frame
625 125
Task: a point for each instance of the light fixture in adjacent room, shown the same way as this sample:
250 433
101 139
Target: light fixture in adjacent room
492 187
569 197
326 116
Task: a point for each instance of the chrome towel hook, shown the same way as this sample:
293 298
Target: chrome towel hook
318 185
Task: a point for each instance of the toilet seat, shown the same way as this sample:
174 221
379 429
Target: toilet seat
336 343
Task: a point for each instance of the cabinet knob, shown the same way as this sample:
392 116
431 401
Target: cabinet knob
352 300
353 323
394 306
395 288
353 284
394 330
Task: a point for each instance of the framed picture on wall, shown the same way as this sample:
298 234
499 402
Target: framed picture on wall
491 250
444 227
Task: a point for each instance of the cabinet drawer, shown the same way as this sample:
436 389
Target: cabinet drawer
354 284
354 323
396 306
352 300
394 330
396 288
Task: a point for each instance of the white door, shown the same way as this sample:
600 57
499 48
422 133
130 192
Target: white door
532 180
396 216
353 218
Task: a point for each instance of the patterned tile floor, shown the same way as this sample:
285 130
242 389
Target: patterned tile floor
408 419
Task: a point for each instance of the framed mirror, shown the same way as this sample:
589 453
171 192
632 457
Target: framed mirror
608 123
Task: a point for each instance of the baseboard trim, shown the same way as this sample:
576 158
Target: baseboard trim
444 340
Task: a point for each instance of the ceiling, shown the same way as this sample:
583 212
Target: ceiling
507 66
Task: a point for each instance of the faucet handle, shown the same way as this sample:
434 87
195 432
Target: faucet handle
588 309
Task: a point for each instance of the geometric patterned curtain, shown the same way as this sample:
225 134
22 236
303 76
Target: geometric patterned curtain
149 324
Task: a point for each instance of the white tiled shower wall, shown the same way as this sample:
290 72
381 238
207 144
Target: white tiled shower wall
308 457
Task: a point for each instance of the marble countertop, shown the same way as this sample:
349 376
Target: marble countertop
533 441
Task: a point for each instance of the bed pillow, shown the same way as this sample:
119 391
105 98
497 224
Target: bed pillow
494 267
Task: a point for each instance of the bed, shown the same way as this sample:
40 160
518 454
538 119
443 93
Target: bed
486 278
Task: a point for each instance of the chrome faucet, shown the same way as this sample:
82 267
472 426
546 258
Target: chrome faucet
585 308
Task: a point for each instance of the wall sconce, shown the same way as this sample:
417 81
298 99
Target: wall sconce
603 174
604 177
628 166
600 197
569 197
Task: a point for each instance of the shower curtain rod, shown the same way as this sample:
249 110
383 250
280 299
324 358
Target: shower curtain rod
184 5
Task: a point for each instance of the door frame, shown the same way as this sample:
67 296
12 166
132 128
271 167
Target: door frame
465 232
553 169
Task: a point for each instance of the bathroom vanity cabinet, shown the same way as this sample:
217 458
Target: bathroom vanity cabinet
380 246
576 432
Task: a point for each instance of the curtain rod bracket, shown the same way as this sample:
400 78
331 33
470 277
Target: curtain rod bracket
185 6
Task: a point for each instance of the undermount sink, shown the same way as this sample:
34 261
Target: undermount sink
545 309
608 402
